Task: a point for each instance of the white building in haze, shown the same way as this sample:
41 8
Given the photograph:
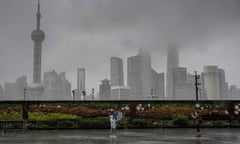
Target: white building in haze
81 78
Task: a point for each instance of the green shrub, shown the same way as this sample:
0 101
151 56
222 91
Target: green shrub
11 116
66 124
95 123
122 123
40 116
221 123
139 123
235 123
180 120
207 124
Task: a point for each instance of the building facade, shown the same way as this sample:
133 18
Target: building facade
56 87
2 97
21 83
158 89
134 80
211 82
11 91
81 78
116 72
120 93
172 62
105 90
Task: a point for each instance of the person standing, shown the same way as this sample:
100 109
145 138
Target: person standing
197 119
113 125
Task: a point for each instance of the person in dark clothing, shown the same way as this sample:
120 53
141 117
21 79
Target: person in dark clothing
197 120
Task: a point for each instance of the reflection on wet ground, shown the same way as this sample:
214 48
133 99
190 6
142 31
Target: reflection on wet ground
135 136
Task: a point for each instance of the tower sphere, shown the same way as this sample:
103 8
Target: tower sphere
38 35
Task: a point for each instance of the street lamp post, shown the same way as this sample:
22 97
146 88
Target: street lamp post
151 93
25 108
93 94
24 94
84 95
73 94
197 77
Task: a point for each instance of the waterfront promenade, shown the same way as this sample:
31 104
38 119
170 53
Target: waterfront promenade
128 136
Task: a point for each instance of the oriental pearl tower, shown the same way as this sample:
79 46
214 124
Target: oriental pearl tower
37 36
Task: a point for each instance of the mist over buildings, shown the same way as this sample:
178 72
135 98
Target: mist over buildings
86 33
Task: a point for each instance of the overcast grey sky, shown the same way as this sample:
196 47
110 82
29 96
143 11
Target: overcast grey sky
86 33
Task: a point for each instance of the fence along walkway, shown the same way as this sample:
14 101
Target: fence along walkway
13 125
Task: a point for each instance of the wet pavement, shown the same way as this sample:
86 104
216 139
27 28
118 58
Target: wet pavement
135 136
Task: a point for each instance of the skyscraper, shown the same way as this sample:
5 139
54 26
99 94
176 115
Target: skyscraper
172 62
211 82
134 76
158 88
1 92
161 85
37 89
80 82
139 75
146 72
21 83
183 86
233 92
120 93
56 86
11 91
117 78
105 90
223 86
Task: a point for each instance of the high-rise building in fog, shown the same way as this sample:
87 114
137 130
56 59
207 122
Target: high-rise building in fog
11 91
234 92
1 93
105 90
120 93
37 36
222 84
117 77
81 76
142 79
21 83
14 91
172 62
65 87
211 82
56 87
146 71
139 75
158 88
161 85
183 84
134 76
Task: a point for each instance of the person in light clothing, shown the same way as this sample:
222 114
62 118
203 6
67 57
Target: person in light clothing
113 125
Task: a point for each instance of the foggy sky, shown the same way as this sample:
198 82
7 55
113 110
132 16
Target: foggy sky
86 33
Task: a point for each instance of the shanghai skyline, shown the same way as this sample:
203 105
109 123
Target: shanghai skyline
87 33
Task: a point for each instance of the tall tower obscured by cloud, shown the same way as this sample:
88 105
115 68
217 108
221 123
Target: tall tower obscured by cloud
117 72
37 37
172 62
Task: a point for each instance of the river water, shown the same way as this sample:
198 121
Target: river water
135 136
